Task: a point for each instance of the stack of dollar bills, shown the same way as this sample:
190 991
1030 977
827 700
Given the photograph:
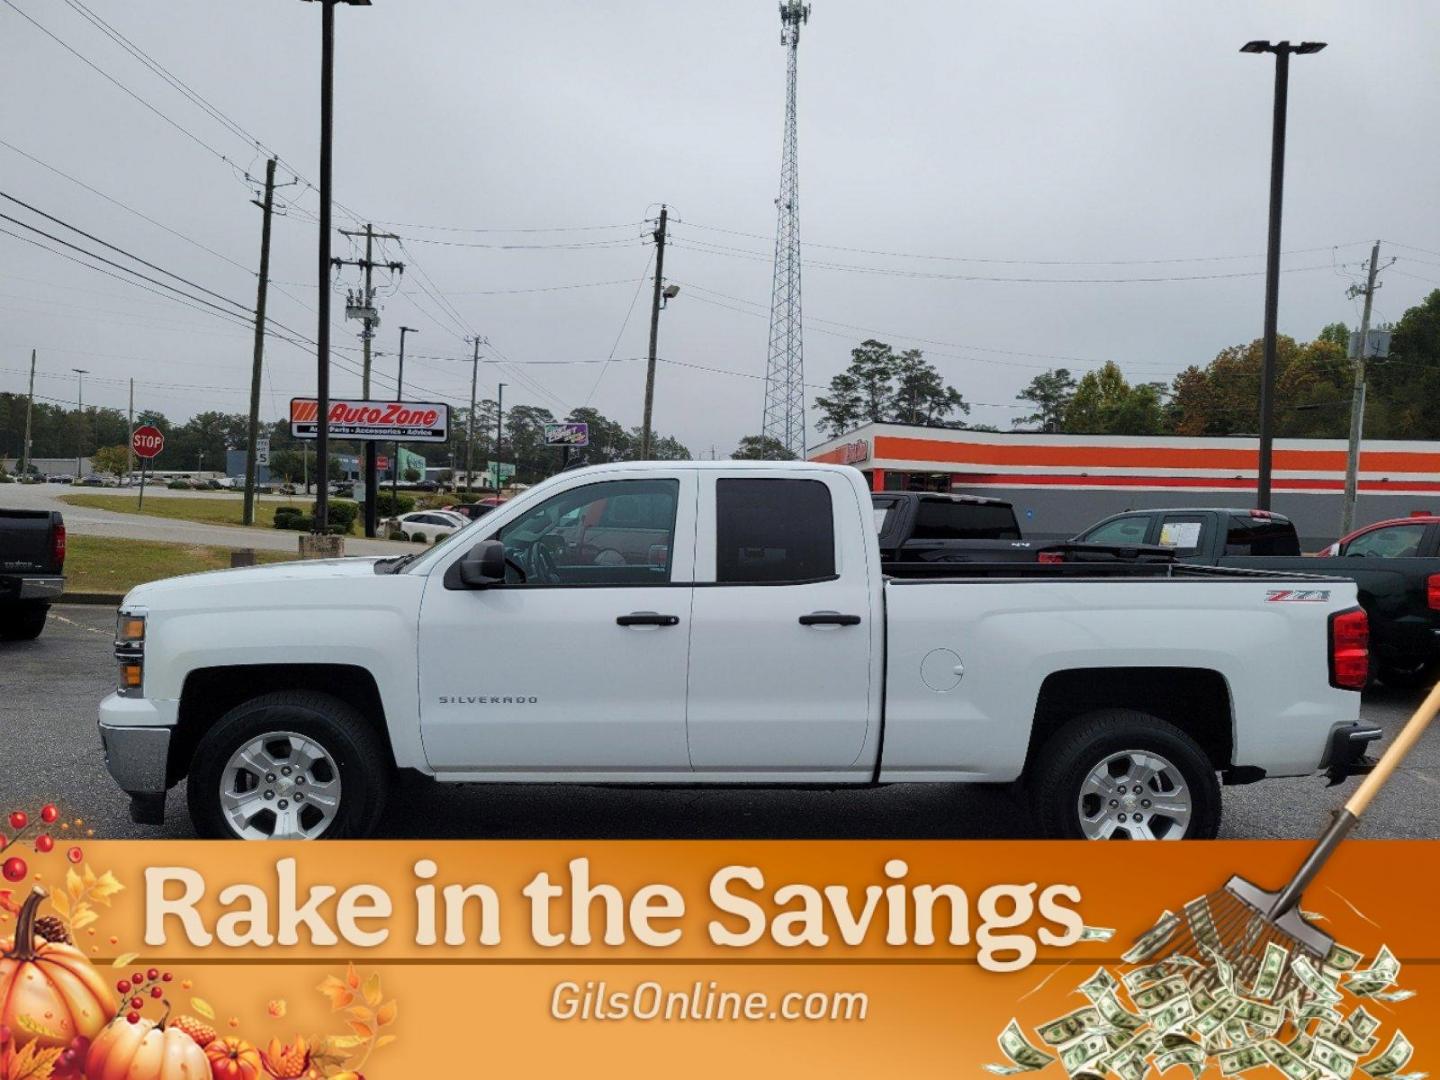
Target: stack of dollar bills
1196 1012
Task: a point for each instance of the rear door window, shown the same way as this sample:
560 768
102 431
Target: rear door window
773 531
1181 533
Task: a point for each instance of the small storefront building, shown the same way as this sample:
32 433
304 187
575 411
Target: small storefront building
1059 484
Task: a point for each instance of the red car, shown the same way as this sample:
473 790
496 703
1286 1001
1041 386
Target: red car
1413 537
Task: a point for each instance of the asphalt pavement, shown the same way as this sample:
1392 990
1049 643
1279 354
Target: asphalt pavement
49 750
85 521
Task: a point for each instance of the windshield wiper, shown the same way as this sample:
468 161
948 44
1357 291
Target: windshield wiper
393 564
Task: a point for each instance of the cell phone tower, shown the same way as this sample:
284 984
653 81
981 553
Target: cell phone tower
785 373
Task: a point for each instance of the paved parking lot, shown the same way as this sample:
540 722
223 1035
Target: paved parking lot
49 750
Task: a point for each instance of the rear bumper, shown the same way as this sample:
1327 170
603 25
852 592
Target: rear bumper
46 587
1345 756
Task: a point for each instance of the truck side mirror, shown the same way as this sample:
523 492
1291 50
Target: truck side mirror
483 565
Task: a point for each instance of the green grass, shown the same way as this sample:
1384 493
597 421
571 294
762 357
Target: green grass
224 511
107 565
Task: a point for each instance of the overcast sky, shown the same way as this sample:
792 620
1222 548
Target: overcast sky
1003 141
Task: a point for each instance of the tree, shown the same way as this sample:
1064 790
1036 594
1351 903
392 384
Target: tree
843 408
872 365
1050 393
921 395
761 448
413 475
1104 403
880 386
114 460
287 464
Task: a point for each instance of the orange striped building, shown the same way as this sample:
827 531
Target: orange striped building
1061 483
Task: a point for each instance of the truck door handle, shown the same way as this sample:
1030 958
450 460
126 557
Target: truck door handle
647 618
829 618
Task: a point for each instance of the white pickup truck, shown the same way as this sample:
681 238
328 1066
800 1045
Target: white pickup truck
724 623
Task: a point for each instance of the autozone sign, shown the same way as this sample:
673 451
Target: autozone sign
372 421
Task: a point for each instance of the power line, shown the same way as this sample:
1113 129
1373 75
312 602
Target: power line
112 247
639 285
123 206
1026 262
116 82
738 253
518 229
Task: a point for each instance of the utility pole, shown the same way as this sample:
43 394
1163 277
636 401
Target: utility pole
645 432
369 319
499 430
1357 406
1282 51
29 404
470 426
322 308
80 408
399 396
130 442
266 207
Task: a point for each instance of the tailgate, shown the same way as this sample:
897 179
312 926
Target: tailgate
25 546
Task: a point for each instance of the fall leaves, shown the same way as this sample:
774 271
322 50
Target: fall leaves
367 1011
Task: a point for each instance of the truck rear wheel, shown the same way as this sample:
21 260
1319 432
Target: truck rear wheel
1121 774
23 622
289 765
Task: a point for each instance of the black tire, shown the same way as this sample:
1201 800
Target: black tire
1408 675
364 763
1069 756
23 622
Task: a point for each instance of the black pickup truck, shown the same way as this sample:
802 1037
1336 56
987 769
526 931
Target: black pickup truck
919 530
32 569
1398 578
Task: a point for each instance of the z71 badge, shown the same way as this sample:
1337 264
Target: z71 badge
1297 596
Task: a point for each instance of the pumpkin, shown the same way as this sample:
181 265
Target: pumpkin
145 1050
51 985
233 1059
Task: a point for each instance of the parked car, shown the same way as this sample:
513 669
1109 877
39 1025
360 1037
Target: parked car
921 533
428 524
469 511
764 647
32 569
424 485
1395 564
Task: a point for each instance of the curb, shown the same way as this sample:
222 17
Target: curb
98 599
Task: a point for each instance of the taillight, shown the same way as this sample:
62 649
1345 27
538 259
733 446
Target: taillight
1349 649
57 547
1432 591
1051 557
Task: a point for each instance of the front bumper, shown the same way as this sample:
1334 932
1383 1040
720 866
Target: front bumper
137 757
1345 755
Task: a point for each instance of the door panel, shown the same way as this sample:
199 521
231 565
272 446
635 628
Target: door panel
539 676
766 692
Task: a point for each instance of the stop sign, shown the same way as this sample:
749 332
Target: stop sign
147 441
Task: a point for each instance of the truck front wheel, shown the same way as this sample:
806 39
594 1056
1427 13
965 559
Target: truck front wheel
288 766
1121 774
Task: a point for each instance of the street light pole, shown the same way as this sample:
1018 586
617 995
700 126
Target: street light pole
322 331
1282 51
399 396
80 374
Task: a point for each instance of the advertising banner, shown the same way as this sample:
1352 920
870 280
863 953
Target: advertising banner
372 421
784 958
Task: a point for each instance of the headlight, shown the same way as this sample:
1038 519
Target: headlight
130 652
